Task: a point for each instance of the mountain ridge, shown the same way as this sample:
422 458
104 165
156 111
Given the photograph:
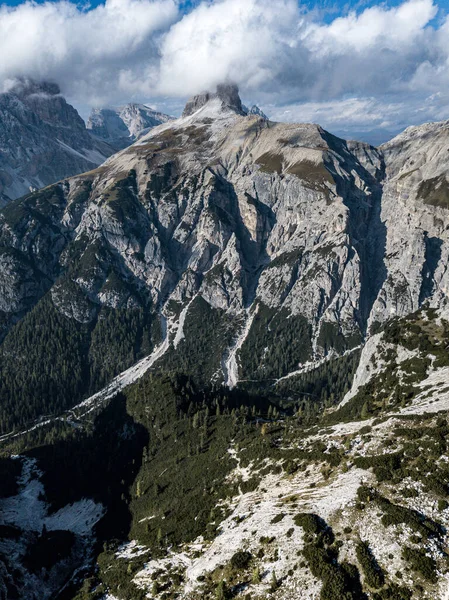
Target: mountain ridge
43 139
237 331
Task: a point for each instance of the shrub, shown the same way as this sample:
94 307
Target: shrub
240 559
278 518
421 563
310 522
374 576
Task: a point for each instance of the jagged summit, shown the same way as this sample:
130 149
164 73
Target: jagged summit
42 139
227 93
24 87
257 111
122 125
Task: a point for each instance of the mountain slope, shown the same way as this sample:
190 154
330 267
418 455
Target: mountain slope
256 312
42 139
291 240
119 127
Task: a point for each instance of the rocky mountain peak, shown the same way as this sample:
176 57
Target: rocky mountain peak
256 111
43 139
122 125
227 93
27 87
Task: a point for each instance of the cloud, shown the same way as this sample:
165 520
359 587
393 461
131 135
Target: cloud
380 67
89 53
242 40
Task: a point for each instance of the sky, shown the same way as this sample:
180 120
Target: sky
362 69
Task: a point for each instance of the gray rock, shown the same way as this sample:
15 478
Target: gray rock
245 212
43 139
120 127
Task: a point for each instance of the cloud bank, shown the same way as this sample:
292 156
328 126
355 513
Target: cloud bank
384 67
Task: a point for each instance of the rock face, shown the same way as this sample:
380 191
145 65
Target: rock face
42 139
120 127
222 248
226 96
331 237
255 110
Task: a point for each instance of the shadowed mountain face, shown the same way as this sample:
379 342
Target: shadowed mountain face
42 139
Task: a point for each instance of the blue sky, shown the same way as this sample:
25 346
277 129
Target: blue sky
330 7
362 68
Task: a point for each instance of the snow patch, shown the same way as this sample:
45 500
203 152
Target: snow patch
131 550
28 511
230 364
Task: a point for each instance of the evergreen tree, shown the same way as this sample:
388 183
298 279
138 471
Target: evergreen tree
274 582
256 578
222 592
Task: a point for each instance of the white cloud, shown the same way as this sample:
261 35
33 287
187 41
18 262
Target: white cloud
88 53
247 41
378 67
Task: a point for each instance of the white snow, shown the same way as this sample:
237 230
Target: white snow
230 364
79 517
239 473
180 329
28 511
131 550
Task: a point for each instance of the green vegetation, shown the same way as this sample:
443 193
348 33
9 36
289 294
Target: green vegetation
321 387
421 563
207 333
10 470
393 592
394 514
288 339
396 385
49 362
240 559
374 576
48 549
340 580
270 163
435 191
331 337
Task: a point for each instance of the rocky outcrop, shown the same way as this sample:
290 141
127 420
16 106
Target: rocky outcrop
42 140
226 96
255 110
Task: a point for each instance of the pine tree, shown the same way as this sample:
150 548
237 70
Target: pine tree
222 592
274 582
256 576
365 410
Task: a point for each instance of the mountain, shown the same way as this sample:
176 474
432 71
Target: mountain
119 127
224 367
255 110
42 139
